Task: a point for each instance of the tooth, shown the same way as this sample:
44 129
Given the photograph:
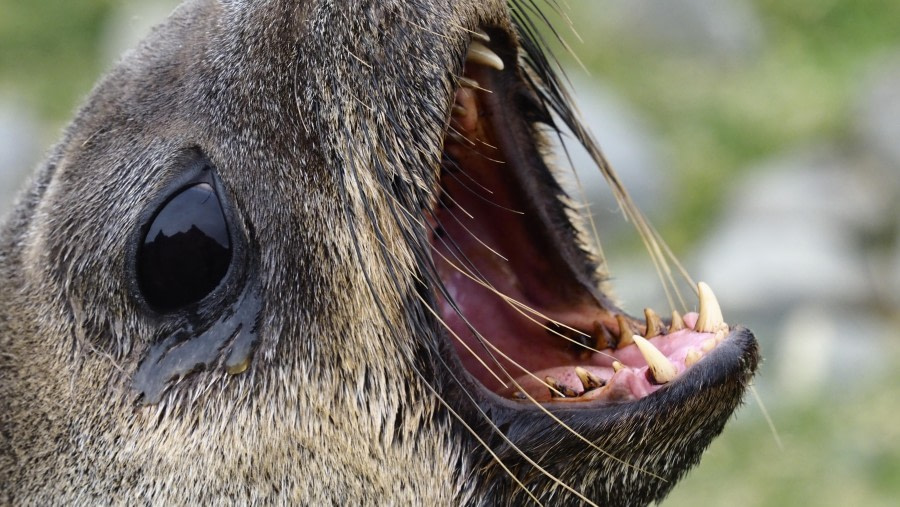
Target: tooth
481 35
677 322
558 390
459 111
708 344
710 318
663 370
602 339
625 332
479 53
588 379
468 83
519 395
693 355
654 323
617 366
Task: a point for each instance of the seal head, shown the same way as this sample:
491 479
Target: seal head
314 252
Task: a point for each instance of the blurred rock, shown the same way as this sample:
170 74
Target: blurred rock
791 232
130 22
878 116
724 31
19 148
819 348
632 148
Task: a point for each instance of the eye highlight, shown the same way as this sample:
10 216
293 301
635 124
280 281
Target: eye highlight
186 251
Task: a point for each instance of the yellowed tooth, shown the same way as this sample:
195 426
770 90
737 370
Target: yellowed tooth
466 82
480 54
663 370
710 319
459 111
654 323
588 379
708 344
559 390
481 35
677 322
625 332
692 356
617 366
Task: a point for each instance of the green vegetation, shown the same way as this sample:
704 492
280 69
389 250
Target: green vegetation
49 51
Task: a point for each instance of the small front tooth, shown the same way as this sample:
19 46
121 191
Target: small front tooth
708 344
663 370
558 390
519 395
602 339
677 322
693 355
710 319
617 366
654 323
481 35
459 111
588 379
479 53
625 332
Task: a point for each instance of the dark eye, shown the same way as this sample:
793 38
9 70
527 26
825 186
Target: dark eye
186 250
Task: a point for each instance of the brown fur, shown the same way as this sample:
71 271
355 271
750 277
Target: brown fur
303 106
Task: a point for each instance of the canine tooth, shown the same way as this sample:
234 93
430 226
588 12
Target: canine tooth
625 332
663 370
481 35
588 379
468 83
677 322
710 318
692 356
617 366
479 53
654 323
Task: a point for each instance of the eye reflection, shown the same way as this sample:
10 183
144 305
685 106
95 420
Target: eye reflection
186 251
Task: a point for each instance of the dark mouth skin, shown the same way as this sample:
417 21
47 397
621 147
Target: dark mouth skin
500 226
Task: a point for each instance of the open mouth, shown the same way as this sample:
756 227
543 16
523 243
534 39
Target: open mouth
522 306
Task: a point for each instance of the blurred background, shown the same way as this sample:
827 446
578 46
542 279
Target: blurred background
763 140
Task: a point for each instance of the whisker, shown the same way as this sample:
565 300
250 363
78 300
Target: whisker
459 169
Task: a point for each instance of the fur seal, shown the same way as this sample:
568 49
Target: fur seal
312 252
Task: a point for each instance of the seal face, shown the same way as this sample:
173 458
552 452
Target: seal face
314 252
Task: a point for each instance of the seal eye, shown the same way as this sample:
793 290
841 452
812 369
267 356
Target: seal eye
186 250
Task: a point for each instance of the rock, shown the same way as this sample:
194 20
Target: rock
877 121
630 145
724 31
19 149
791 234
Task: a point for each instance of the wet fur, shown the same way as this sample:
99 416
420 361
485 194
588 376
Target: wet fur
311 111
